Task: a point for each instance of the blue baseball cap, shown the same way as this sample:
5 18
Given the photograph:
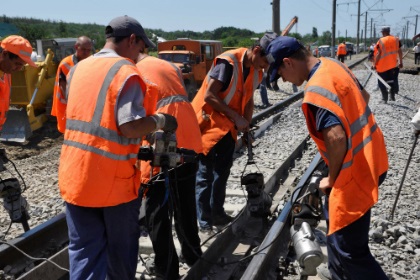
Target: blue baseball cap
280 48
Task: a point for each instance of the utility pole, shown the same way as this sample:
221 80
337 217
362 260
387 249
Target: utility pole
333 28
276 16
371 28
406 33
366 28
358 27
415 28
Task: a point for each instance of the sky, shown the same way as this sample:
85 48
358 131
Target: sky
199 16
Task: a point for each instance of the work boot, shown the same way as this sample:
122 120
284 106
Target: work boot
384 95
392 95
222 220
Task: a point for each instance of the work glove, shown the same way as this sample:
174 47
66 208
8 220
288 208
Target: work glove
165 122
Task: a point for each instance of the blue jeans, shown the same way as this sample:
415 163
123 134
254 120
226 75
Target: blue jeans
104 242
213 173
263 93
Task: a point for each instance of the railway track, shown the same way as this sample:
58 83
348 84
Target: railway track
281 175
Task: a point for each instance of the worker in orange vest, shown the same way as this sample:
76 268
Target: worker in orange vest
352 145
98 177
83 49
166 94
15 52
387 61
341 51
223 106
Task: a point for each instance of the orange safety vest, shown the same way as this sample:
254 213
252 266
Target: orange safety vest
214 125
334 88
59 99
341 49
5 88
388 47
166 93
97 163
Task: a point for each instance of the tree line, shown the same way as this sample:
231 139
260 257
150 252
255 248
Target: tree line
33 29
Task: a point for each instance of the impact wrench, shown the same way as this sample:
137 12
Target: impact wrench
416 136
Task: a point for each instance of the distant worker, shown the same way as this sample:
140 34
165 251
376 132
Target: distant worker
352 145
15 52
371 52
83 49
387 62
166 94
416 50
98 177
341 51
223 105
264 42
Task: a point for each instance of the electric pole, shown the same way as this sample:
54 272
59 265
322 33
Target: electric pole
276 16
358 27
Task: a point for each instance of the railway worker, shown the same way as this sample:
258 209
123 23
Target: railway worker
387 62
341 51
223 105
166 94
97 175
83 47
15 52
351 144
416 51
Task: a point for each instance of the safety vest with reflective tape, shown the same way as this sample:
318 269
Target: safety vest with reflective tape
388 46
166 93
214 125
5 88
333 87
97 163
341 49
59 99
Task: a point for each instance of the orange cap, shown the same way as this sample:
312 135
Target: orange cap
20 47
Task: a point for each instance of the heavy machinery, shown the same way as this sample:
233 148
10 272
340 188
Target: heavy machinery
193 57
32 90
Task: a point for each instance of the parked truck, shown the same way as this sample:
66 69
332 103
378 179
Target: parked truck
193 57
32 90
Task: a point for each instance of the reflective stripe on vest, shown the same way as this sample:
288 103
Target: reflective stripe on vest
170 100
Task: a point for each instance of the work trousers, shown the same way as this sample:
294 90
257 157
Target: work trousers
349 256
417 58
341 57
213 173
104 241
391 77
161 202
